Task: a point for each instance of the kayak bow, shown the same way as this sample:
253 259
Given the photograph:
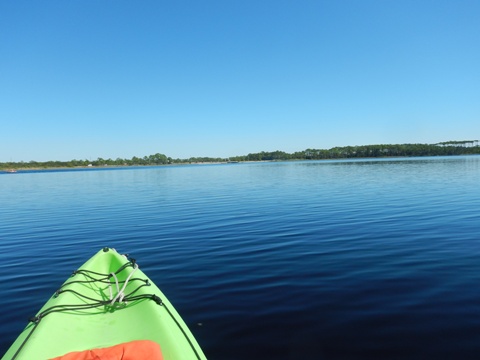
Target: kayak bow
108 301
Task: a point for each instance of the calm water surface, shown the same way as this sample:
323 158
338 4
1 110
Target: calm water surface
359 259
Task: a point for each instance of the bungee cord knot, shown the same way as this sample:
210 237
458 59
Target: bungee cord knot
121 292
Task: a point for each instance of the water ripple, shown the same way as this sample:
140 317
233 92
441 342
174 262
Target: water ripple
324 259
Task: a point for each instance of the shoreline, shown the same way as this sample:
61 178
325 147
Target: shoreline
37 168
13 170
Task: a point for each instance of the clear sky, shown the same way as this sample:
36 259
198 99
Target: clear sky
82 79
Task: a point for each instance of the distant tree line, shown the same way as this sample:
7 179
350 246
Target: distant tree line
369 151
467 147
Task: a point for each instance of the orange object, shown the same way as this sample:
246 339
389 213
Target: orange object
133 350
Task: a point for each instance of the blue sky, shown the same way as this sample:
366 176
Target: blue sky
85 79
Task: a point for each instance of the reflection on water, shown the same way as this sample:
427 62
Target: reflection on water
323 259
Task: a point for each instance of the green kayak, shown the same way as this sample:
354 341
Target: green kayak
108 301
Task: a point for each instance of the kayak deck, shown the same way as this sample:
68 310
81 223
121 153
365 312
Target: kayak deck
107 301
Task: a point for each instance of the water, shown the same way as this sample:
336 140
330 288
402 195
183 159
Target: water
342 259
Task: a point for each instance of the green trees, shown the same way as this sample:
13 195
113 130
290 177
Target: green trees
465 147
158 159
370 151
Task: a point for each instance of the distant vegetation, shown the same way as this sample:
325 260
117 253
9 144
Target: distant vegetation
466 147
